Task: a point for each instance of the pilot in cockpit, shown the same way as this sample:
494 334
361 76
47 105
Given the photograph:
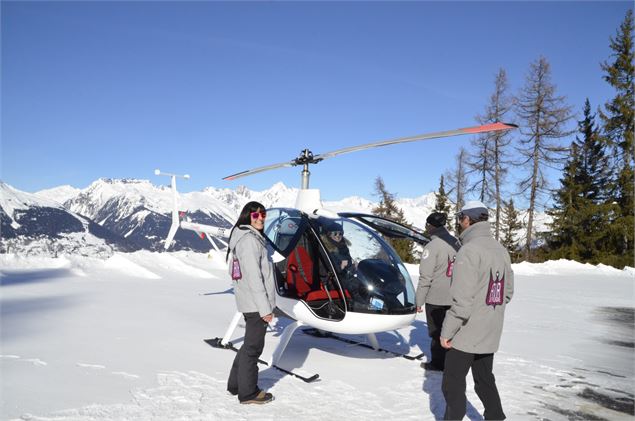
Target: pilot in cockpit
337 246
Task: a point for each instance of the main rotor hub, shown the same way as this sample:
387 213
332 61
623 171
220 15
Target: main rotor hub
306 157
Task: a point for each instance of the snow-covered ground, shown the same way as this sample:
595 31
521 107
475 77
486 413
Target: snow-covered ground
122 339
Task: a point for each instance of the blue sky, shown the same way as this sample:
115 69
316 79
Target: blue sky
117 89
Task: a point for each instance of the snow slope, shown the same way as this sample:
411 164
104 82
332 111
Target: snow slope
121 339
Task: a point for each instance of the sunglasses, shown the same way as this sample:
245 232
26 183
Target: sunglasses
255 215
460 216
336 233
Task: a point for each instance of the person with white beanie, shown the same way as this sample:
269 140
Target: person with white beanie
482 286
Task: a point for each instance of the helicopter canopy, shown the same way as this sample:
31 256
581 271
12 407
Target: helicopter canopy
339 265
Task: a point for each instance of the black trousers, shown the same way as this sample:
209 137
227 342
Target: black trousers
435 315
457 364
243 377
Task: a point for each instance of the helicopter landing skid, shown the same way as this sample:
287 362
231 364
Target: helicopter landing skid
322 334
217 343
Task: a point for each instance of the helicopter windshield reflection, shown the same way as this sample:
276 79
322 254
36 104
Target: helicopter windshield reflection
367 267
337 265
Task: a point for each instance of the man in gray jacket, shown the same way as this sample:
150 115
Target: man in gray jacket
433 289
482 285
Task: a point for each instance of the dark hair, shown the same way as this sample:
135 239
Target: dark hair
245 215
244 218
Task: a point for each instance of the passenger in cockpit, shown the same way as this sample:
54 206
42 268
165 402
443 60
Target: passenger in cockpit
337 247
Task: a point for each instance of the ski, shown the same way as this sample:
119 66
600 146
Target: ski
216 343
321 334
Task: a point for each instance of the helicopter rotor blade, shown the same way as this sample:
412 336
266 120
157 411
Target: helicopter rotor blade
310 159
466 130
260 169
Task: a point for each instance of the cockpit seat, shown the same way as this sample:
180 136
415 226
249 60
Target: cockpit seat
300 278
300 271
322 295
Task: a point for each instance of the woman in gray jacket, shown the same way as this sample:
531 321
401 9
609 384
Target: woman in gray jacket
251 268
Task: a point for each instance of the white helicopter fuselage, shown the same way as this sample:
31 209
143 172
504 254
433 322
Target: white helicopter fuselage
353 323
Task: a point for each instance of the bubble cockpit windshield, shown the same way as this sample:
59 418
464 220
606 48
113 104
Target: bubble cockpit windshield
368 269
339 260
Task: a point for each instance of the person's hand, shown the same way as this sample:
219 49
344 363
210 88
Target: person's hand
419 309
343 264
445 343
268 318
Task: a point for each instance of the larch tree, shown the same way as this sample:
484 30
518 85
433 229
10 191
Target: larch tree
543 116
458 182
491 158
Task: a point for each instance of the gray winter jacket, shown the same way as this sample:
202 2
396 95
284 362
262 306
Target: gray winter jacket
435 269
482 285
255 291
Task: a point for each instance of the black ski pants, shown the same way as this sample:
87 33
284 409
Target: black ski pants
457 364
243 377
435 315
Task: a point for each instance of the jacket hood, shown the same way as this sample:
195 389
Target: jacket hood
480 229
241 231
443 234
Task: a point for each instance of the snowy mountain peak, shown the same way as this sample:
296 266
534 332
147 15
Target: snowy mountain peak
58 194
12 199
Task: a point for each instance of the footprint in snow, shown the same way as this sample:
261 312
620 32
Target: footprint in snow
35 361
91 366
125 375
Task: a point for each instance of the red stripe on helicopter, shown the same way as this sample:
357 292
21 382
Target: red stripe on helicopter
489 128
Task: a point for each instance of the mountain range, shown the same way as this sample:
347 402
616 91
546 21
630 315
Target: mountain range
131 214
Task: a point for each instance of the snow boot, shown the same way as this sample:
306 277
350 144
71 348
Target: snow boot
261 398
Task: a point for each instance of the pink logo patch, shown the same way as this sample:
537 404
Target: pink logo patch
448 271
495 290
236 273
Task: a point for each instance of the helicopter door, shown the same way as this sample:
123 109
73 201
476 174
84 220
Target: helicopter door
311 277
388 227
305 273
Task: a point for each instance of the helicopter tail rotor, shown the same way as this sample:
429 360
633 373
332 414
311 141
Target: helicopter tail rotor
176 220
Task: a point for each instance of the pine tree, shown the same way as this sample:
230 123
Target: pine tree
388 208
443 203
544 116
619 128
510 224
580 213
564 234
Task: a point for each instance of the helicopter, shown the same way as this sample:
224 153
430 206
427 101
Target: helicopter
372 292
